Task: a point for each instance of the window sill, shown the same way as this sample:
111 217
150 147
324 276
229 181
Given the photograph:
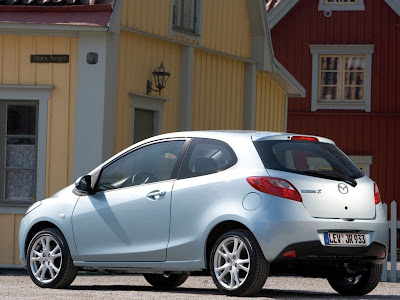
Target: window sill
334 105
188 35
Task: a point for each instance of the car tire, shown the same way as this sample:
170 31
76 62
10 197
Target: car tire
359 283
237 264
49 262
166 281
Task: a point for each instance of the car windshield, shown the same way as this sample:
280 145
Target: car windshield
308 158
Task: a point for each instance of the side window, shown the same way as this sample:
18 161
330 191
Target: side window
206 156
148 164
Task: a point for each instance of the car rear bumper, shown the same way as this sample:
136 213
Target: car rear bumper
314 251
285 224
316 260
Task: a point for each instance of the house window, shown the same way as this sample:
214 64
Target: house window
184 15
341 5
18 146
341 77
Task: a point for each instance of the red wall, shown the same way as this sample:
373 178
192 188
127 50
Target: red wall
356 132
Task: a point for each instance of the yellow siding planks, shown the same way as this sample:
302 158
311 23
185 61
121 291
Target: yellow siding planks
9 230
16 69
270 105
146 15
225 27
138 57
7 238
218 92
17 222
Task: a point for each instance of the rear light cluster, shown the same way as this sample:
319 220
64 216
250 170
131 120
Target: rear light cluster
275 186
304 138
377 195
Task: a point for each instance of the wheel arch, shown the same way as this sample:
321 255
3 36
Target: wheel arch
217 231
35 229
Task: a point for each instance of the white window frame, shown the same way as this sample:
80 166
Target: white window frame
155 104
364 162
27 93
194 36
316 51
341 6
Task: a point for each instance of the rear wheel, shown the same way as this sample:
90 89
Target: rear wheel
49 262
237 264
166 281
357 283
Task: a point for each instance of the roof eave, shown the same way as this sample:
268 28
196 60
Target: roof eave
395 5
262 51
26 28
279 11
286 81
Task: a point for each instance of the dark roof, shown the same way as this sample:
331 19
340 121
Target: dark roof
70 12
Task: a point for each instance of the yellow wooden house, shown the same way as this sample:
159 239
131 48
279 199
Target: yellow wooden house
74 91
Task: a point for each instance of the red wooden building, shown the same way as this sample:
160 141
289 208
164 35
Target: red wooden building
346 53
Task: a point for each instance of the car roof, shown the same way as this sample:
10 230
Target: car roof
226 135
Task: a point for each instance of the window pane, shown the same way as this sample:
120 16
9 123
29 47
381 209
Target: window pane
330 63
207 156
21 153
299 157
354 93
20 185
354 78
188 14
177 13
329 78
21 120
146 165
328 93
354 63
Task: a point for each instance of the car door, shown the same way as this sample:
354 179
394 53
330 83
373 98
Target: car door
127 217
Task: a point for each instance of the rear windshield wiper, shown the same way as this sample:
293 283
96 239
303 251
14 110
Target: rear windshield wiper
331 175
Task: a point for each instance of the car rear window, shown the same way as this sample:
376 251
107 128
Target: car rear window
306 158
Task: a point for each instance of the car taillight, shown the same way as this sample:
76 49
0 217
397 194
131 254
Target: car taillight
304 138
275 186
377 195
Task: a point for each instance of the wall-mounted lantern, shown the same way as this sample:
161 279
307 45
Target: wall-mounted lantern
160 75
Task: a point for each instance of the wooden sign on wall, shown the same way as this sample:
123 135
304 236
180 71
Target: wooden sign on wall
46 58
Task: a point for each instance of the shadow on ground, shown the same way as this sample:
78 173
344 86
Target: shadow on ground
265 293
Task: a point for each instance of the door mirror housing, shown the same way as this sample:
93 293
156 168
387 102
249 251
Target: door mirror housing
84 184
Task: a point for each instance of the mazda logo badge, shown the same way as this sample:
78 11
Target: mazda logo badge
343 188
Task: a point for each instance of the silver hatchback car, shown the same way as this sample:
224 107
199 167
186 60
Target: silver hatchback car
237 205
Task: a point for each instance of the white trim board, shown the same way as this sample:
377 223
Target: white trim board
40 93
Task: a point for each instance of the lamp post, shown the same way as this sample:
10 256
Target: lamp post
160 75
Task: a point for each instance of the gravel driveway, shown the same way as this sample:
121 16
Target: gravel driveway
16 284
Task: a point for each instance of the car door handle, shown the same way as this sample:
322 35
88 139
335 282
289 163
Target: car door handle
155 195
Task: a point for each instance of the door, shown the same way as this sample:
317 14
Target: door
144 127
128 216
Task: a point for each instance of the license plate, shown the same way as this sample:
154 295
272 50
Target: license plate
341 238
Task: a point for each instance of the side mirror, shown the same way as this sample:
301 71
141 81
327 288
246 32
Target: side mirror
84 184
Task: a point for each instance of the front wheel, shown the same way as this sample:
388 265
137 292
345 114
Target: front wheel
357 283
237 264
166 281
49 262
